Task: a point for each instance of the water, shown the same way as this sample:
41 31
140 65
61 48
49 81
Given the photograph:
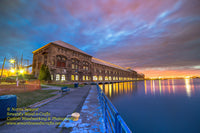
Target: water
158 106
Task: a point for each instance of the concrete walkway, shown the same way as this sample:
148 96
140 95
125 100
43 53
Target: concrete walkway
91 119
49 87
57 108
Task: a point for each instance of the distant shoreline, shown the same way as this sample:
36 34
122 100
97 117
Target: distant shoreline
172 78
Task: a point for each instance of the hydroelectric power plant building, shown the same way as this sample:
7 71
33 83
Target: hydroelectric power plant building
68 63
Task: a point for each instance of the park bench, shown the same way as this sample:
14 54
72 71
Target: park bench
65 89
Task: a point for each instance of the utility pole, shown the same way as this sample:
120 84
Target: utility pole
2 68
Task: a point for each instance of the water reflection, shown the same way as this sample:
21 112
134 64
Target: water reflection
170 86
117 89
161 106
188 87
151 87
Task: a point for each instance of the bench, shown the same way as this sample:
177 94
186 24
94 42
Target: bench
65 89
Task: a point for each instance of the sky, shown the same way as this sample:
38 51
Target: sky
154 37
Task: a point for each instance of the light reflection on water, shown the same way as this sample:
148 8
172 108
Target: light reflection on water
151 87
158 105
116 89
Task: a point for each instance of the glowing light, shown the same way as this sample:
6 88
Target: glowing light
12 61
145 86
169 87
173 86
12 70
21 71
154 89
188 87
117 87
110 90
160 86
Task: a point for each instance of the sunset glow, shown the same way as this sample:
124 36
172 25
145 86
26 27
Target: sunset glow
157 38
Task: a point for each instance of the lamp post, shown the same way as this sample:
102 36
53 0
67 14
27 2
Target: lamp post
16 69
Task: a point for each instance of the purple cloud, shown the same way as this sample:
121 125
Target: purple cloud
141 34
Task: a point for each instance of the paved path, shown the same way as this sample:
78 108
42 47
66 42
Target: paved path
49 87
91 119
57 108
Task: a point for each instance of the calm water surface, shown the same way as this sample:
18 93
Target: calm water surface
158 106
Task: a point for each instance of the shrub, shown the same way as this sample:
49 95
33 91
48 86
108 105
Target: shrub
44 73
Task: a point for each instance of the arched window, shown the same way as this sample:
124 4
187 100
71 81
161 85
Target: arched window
75 64
57 77
61 61
85 65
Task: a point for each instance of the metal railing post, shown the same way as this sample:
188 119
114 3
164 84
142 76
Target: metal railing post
118 128
106 114
118 122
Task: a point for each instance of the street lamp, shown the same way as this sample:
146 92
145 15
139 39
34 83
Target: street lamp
21 71
12 61
12 70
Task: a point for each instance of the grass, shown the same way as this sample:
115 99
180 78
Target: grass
63 85
44 87
28 98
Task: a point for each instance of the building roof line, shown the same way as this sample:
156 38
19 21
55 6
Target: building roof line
41 48
102 62
69 46
63 44
94 60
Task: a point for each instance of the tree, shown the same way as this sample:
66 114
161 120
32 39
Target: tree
44 73
48 75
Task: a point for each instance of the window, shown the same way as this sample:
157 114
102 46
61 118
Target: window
72 77
94 77
87 78
76 77
100 78
52 77
61 61
85 65
106 77
75 63
73 66
116 78
57 77
63 78
83 78
110 78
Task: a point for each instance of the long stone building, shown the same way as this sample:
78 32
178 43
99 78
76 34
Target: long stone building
68 63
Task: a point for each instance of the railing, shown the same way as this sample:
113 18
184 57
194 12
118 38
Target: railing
113 121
